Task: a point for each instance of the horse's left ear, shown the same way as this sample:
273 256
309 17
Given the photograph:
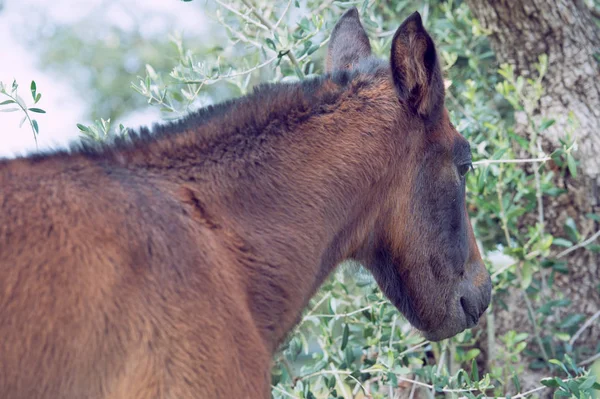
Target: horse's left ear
416 69
349 42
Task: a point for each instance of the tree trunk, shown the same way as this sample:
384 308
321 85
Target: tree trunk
565 30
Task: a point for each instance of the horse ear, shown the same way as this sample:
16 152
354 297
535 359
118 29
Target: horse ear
349 42
416 70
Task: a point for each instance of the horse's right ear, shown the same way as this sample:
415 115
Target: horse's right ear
416 70
349 42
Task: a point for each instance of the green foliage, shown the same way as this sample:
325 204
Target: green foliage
100 131
579 384
16 103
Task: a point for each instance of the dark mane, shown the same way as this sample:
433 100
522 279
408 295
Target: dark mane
249 114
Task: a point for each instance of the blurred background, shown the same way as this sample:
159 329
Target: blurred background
523 86
84 56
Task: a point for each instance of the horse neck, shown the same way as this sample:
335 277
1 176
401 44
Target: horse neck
304 201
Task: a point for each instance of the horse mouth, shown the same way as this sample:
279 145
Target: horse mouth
463 318
447 331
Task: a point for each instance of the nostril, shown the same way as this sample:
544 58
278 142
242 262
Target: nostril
463 303
471 314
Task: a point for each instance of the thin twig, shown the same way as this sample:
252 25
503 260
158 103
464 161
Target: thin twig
289 395
541 221
500 161
413 389
258 15
392 333
391 393
338 315
491 338
504 268
538 189
244 17
560 255
241 37
581 244
311 311
357 383
429 386
231 75
371 370
442 358
499 192
524 394
288 367
415 382
324 42
283 14
413 348
340 383
24 109
321 372
583 327
294 61
324 6
268 24
440 364
385 33
325 297
530 312
590 359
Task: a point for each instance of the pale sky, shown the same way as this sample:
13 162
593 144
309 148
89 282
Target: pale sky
64 106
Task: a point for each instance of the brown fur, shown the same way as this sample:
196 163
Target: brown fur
173 266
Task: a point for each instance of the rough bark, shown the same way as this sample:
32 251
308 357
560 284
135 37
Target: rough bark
566 31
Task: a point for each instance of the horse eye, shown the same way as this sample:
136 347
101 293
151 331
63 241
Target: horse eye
464 169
